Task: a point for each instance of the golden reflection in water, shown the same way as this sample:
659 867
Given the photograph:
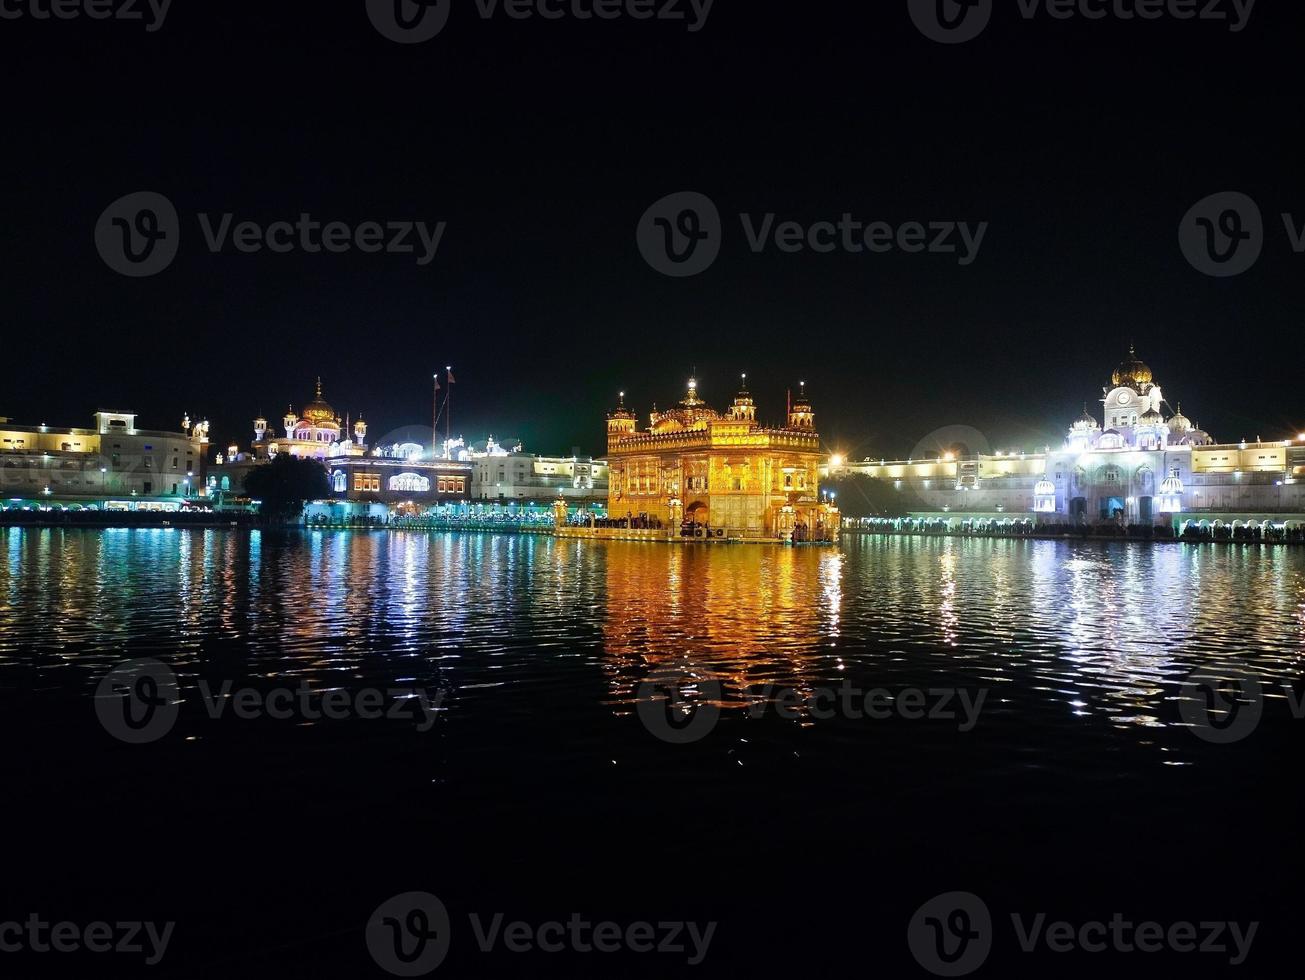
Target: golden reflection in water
1065 628
745 616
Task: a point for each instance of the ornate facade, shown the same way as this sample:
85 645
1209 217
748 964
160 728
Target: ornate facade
724 473
404 477
315 433
1142 462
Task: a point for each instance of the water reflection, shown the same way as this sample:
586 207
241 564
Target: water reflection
1072 634
743 616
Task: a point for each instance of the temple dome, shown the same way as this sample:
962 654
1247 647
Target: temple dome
1180 422
1044 488
621 411
1151 417
691 413
1086 422
319 411
1171 486
1132 372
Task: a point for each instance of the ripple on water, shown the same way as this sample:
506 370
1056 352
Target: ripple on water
1067 632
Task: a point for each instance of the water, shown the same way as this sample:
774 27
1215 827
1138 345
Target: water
810 836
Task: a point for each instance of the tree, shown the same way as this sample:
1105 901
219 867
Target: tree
284 485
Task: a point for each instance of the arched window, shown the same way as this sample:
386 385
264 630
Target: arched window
1145 477
410 483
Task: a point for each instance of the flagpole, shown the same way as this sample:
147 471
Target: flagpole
435 419
448 419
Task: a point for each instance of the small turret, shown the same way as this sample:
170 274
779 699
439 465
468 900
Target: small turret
691 398
290 421
800 415
260 429
744 408
360 432
620 423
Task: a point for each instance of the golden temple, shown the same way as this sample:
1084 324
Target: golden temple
714 475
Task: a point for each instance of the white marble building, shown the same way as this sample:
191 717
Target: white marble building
1141 462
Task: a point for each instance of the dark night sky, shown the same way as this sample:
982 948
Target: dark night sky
542 143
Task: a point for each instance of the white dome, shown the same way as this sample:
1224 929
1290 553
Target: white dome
1044 488
1151 417
1171 486
1180 422
1085 423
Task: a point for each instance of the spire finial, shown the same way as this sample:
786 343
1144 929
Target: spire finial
319 386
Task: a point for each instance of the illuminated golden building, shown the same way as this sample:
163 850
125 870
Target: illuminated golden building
718 475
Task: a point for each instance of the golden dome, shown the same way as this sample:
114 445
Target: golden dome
318 411
1132 372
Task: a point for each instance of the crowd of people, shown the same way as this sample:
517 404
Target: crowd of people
804 533
1027 527
501 521
643 522
1245 533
